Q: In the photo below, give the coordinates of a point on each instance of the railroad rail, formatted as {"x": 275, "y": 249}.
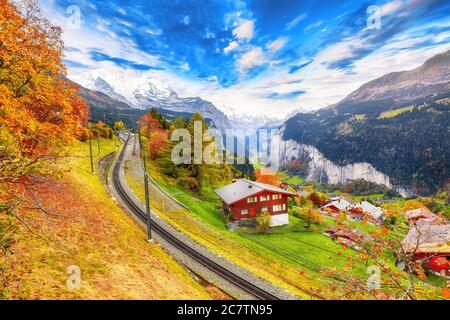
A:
{"x": 219, "y": 270}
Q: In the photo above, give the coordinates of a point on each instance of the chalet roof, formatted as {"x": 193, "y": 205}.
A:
{"x": 244, "y": 188}
{"x": 421, "y": 213}
{"x": 368, "y": 208}
{"x": 342, "y": 204}
{"x": 427, "y": 237}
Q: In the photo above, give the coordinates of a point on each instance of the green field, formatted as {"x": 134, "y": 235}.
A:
{"x": 395, "y": 112}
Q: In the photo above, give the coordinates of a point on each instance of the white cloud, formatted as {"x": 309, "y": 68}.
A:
{"x": 102, "y": 39}
{"x": 233, "y": 45}
{"x": 153, "y": 31}
{"x": 340, "y": 51}
{"x": 277, "y": 45}
{"x": 296, "y": 21}
{"x": 185, "y": 66}
{"x": 251, "y": 59}
{"x": 392, "y": 7}
{"x": 213, "y": 79}
{"x": 187, "y": 20}
{"x": 122, "y": 11}
{"x": 245, "y": 30}
{"x": 314, "y": 25}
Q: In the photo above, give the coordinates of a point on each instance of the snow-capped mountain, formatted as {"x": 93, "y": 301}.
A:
{"x": 142, "y": 92}
{"x": 101, "y": 85}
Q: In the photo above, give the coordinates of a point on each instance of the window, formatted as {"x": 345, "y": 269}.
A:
{"x": 279, "y": 207}
{"x": 276, "y": 197}
{"x": 264, "y": 198}
{"x": 252, "y": 199}
{"x": 244, "y": 212}
{"x": 264, "y": 209}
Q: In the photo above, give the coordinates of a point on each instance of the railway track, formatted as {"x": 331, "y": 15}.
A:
{"x": 231, "y": 277}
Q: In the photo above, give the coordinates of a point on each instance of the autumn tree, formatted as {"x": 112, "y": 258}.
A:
{"x": 267, "y": 176}
{"x": 157, "y": 137}
{"x": 119, "y": 126}
{"x": 395, "y": 258}
{"x": 311, "y": 216}
{"x": 316, "y": 199}
{"x": 41, "y": 114}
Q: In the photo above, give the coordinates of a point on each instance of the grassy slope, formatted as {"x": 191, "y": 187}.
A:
{"x": 94, "y": 234}
{"x": 290, "y": 259}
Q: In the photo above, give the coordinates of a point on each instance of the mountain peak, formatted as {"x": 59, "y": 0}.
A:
{"x": 430, "y": 78}
{"x": 440, "y": 61}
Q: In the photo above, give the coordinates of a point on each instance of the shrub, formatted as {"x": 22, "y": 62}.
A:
{"x": 95, "y": 132}
{"x": 264, "y": 219}
{"x": 189, "y": 184}
{"x": 85, "y": 134}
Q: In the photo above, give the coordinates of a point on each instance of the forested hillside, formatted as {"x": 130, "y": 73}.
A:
{"x": 399, "y": 128}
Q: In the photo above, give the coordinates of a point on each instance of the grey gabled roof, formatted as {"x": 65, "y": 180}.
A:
{"x": 428, "y": 237}
{"x": 375, "y": 212}
{"x": 244, "y": 188}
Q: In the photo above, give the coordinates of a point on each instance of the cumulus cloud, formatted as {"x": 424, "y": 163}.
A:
{"x": 233, "y": 45}
{"x": 251, "y": 59}
{"x": 245, "y": 30}
{"x": 277, "y": 45}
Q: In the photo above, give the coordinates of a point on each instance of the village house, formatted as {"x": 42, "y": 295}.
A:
{"x": 354, "y": 211}
{"x": 245, "y": 199}
{"x": 337, "y": 205}
{"x": 367, "y": 210}
{"x": 430, "y": 244}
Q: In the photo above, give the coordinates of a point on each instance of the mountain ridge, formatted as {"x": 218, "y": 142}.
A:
{"x": 398, "y": 127}
{"x": 145, "y": 93}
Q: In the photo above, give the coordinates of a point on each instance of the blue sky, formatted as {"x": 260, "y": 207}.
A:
{"x": 256, "y": 56}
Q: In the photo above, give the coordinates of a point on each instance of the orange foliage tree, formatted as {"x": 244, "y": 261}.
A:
{"x": 377, "y": 248}
{"x": 267, "y": 176}
{"x": 40, "y": 113}
{"x": 156, "y": 136}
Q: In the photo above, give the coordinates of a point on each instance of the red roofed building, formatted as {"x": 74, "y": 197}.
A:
{"x": 246, "y": 199}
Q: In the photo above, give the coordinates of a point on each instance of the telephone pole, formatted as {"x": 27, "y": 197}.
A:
{"x": 92, "y": 158}
{"x": 147, "y": 193}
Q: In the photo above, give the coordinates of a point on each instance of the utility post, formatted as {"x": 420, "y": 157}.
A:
{"x": 147, "y": 193}
{"x": 92, "y": 157}
{"x": 98, "y": 144}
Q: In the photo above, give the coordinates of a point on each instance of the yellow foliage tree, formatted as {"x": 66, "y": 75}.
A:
{"x": 40, "y": 113}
